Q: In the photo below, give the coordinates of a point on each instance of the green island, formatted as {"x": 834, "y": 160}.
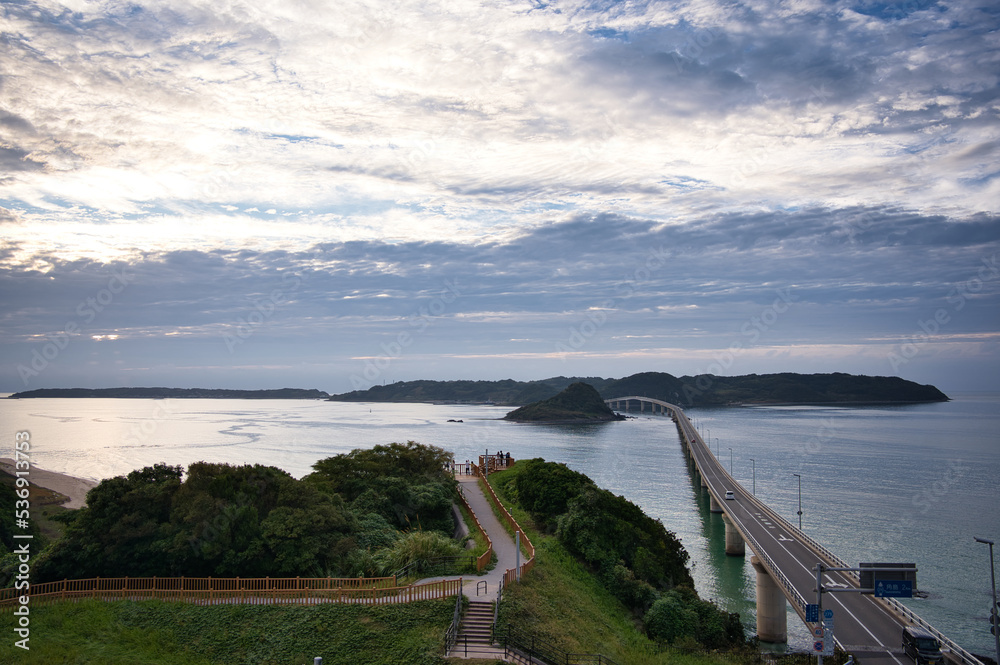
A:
{"x": 685, "y": 391}
{"x": 578, "y": 403}
{"x": 173, "y": 393}
{"x": 608, "y": 579}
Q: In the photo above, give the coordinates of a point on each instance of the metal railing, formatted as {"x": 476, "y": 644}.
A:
{"x": 535, "y": 650}
{"x": 438, "y": 565}
{"x": 967, "y": 658}
{"x": 451, "y": 636}
{"x": 830, "y": 558}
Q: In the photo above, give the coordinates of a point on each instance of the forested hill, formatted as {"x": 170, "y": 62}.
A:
{"x": 178, "y": 393}
{"x": 701, "y": 390}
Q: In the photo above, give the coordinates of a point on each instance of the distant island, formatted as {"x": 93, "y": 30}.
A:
{"x": 174, "y": 393}
{"x": 578, "y": 403}
{"x": 685, "y": 391}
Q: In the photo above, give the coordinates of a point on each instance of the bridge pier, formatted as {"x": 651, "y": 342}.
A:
{"x": 713, "y": 505}
{"x": 772, "y": 622}
{"x": 734, "y": 541}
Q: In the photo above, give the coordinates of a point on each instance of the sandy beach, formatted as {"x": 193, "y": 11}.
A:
{"x": 75, "y": 488}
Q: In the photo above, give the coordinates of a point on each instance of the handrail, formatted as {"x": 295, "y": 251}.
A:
{"x": 535, "y": 650}
{"x": 439, "y": 564}
{"x": 451, "y": 635}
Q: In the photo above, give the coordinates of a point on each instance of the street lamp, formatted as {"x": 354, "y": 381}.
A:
{"x": 994, "y": 610}
{"x": 800, "y": 499}
{"x": 716, "y": 447}
{"x": 754, "y": 475}
{"x": 730, "y": 461}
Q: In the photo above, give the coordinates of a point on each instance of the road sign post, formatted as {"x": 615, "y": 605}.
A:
{"x": 828, "y": 633}
{"x": 884, "y": 589}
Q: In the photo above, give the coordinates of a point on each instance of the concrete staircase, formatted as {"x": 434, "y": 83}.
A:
{"x": 475, "y": 633}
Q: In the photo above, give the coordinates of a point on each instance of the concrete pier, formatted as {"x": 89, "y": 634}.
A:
{"x": 734, "y": 541}
{"x": 772, "y": 622}
{"x": 714, "y": 505}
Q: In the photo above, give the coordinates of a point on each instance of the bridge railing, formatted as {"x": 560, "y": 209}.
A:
{"x": 967, "y": 658}
{"x": 829, "y": 557}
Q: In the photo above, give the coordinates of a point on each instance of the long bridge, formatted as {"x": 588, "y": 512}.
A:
{"x": 785, "y": 559}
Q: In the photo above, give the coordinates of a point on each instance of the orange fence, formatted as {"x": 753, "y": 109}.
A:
{"x": 512, "y": 574}
{"x": 232, "y": 590}
{"x": 484, "y": 559}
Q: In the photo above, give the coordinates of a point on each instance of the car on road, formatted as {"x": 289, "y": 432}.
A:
{"x": 921, "y": 646}
{"x": 729, "y": 495}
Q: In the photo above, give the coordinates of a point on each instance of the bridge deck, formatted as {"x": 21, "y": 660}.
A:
{"x": 865, "y": 626}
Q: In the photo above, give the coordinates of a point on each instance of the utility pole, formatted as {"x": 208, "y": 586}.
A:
{"x": 800, "y": 502}
{"x": 994, "y": 610}
{"x": 754, "y": 476}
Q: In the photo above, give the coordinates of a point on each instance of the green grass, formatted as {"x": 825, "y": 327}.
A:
{"x": 162, "y": 633}
{"x": 561, "y": 602}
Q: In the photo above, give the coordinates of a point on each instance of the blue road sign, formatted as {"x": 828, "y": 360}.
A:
{"x": 893, "y": 589}
{"x": 828, "y": 614}
{"x": 812, "y": 613}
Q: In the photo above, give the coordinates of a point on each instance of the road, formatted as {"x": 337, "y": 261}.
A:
{"x": 862, "y": 625}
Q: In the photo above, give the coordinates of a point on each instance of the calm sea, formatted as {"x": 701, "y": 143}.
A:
{"x": 901, "y": 484}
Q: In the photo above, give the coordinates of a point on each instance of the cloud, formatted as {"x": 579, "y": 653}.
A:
{"x": 539, "y": 154}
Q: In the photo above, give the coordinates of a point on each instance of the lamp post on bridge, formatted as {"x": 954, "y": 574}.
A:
{"x": 754, "y": 476}
{"x": 730, "y": 461}
{"x": 800, "y": 499}
{"x": 994, "y": 610}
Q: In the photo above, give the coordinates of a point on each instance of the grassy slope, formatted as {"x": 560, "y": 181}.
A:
{"x": 160, "y": 633}
{"x": 560, "y": 601}
{"x": 45, "y": 504}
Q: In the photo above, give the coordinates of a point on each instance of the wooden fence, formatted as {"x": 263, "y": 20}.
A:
{"x": 484, "y": 559}
{"x": 232, "y": 590}
{"x": 511, "y": 574}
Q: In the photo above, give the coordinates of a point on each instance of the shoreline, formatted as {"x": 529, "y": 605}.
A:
{"x": 75, "y": 489}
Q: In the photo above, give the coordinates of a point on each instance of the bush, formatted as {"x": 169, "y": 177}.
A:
{"x": 605, "y": 529}
{"x": 670, "y": 619}
{"x": 222, "y": 521}
{"x": 680, "y": 616}
{"x": 545, "y": 488}
{"x": 416, "y": 546}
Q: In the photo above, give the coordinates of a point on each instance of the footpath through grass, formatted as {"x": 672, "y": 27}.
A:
{"x": 170, "y": 633}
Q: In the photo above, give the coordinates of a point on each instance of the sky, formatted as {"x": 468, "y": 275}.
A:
{"x": 334, "y": 195}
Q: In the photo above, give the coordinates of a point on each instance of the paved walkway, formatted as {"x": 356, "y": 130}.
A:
{"x": 503, "y": 543}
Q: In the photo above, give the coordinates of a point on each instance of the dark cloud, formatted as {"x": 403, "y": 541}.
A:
{"x": 16, "y": 159}
{"x": 15, "y": 122}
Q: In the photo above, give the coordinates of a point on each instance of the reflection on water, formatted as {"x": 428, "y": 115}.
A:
{"x": 908, "y": 483}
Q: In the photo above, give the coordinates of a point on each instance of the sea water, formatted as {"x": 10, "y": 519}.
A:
{"x": 908, "y": 483}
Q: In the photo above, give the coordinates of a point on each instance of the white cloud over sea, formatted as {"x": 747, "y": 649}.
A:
{"x": 536, "y": 155}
